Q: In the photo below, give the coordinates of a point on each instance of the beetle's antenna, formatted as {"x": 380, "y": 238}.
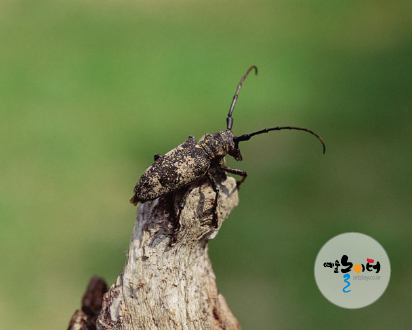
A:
{"x": 246, "y": 137}
{"x": 229, "y": 119}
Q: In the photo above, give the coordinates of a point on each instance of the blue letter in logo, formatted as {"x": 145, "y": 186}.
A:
{"x": 346, "y": 277}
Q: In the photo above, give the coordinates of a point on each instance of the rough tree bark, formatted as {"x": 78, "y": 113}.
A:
{"x": 168, "y": 281}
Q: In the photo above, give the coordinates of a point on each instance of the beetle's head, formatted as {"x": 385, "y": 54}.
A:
{"x": 230, "y": 146}
{"x": 235, "y": 152}
{"x": 233, "y": 147}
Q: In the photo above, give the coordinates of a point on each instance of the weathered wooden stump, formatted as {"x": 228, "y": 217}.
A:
{"x": 168, "y": 281}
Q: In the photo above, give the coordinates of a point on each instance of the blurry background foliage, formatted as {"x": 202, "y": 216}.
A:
{"x": 91, "y": 90}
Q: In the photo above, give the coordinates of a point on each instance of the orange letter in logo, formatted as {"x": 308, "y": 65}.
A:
{"x": 357, "y": 268}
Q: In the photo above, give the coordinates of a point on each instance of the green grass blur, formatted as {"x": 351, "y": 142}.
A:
{"x": 90, "y": 91}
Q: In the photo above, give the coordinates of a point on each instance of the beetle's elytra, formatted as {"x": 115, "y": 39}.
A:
{"x": 191, "y": 160}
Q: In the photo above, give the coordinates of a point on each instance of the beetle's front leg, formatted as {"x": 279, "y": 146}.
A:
{"x": 243, "y": 174}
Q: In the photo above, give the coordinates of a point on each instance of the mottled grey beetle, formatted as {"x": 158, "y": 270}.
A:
{"x": 191, "y": 161}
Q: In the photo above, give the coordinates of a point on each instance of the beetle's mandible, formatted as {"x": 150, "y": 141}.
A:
{"x": 191, "y": 161}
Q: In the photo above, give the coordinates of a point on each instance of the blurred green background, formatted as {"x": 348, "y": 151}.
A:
{"x": 91, "y": 90}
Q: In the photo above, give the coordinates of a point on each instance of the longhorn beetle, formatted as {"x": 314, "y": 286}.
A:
{"x": 191, "y": 161}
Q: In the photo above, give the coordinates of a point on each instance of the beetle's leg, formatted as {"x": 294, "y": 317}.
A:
{"x": 181, "y": 207}
{"x": 243, "y": 174}
{"x": 176, "y": 216}
{"x": 223, "y": 164}
{"x": 216, "y": 190}
{"x": 157, "y": 156}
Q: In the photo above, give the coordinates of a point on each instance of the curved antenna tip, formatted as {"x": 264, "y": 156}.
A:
{"x": 324, "y": 147}
{"x": 254, "y": 67}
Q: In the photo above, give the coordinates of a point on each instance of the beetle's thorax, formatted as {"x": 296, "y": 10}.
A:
{"x": 219, "y": 144}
